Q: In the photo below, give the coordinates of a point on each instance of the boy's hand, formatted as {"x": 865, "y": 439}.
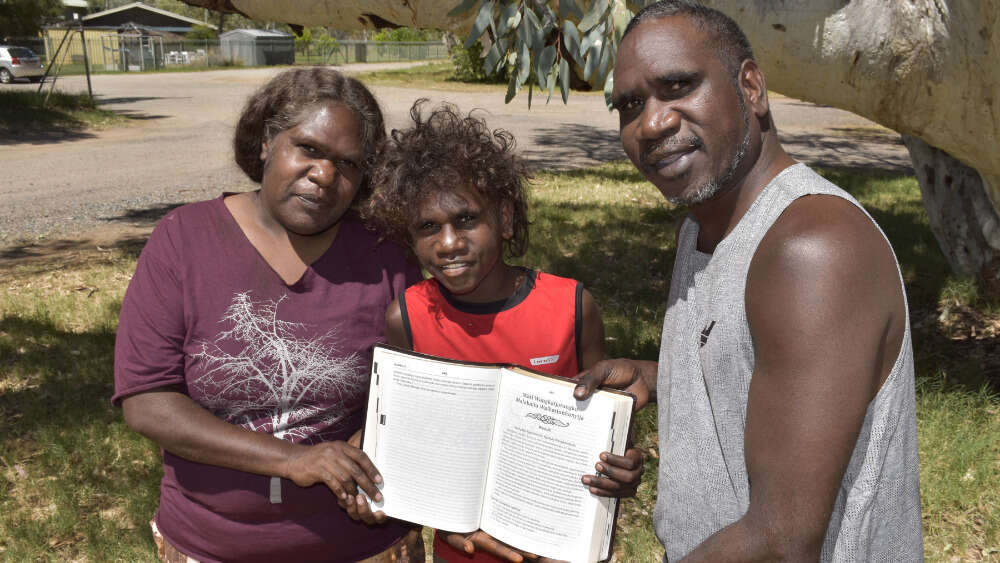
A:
{"x": 481, "y": 541}
{"x": 635, "y": 376}
{"x": 620, "y": 474}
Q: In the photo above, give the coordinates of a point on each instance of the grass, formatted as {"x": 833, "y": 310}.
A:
{"x": 431, "y": 76}
{"x": 77, "y": 484}
{"x": 24, "y": 112}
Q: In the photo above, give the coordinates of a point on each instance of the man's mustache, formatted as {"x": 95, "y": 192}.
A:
{"x": 665, "y": 146}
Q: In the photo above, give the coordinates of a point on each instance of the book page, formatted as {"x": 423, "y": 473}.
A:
{"x": 544, "y": 441}
{"x": 431, "y": 438}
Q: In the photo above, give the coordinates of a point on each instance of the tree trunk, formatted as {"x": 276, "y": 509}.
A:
{"x": 959, "y": 209}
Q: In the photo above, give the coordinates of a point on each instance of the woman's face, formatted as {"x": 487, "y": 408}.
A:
{"x": 312, "y": 171}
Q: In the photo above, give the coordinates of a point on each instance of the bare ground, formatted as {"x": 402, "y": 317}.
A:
{"x": 68, "y": 190}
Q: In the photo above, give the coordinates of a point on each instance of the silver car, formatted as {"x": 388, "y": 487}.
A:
{"x": 19, "y": 62}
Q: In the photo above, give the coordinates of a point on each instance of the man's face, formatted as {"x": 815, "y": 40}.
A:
{"x": 683, "y": 120}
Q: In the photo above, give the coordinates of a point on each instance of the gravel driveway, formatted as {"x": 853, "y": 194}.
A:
{"x": 97, "y": 185}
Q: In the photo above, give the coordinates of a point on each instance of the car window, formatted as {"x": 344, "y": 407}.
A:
{"x": 22, "y": 52}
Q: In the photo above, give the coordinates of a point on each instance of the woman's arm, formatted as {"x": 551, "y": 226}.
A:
{"x": 184, "y": 428}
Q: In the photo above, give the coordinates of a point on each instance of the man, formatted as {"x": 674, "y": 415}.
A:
{"x": 785, "y": 380}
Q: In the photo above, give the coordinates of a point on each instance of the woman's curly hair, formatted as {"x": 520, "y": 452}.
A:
{"x": 279, "y": 105}
{"x": 444, "y": 151}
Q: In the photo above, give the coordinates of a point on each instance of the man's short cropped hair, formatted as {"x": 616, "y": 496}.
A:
{"x": 731, "y": 45}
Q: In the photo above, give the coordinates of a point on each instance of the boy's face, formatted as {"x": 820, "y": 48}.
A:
{"x": 459, "y": 240}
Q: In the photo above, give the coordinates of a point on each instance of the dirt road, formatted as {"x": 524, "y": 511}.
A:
{"x": 94, "y": 185}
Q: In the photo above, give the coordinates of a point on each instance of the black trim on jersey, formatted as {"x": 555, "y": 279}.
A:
{"x": 406, "y": 319}
{"x": 578, "y": 325}
{"x": 494, "y": 307}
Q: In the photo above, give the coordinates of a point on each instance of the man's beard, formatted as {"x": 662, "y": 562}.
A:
{"x": 722, "y": 182}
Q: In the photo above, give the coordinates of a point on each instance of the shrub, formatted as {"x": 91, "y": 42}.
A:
{"x": 469, "y": 65}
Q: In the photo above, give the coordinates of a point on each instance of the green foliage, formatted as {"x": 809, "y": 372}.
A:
{"x": 25, "y": 112}
{"x": 469, "y": 65}
{"x": 406, "y": 34}
{"x": 201, "y": 32}
{"x": 539, "y": 45}
{"x": 26, "y": 17}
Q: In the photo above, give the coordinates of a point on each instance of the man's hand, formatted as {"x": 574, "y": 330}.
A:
{"x": 620, "y": 475}
{"x": 635, "y": 376}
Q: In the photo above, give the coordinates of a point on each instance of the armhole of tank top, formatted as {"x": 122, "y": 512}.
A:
{"x": 406, "y": 319}
{"x": 578, "y": 323}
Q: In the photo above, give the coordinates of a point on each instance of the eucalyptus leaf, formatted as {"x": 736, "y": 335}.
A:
{"x": 483, "y": 20}
{"x": 550, "y": 82}
{"x": 465, "y": 6}
{"x": 609, "y": 85}
{"x": 567, "y": 9}
{"x": 507, "y": 15}
{"x": 605, "y": 60}
{"x": 571, "y": 40}
{"x": 594, "y": 15}
{"x": 530, "y": 88}
{"x": 531, "y": 16}
{"x": 544, "y": 64}
{"x": 590, "y": 62}
{"x": 492, "y": 60}
{"x": 511, "y": 88}
{"x": 564, "y": 79}
{"x": 523, "y": 64}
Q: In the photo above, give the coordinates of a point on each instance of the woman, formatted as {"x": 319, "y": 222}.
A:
{"x": 244, "y": 340}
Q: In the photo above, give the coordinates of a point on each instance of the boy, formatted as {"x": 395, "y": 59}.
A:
{"x": 454, "y": 192}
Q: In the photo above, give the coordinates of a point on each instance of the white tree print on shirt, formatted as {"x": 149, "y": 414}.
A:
{"x": 274, "y": 382}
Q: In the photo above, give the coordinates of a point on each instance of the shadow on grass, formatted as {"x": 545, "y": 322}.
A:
{"x": 63, "y": 443}
{"x": 42, "y": 257}
{"x": 622, "y": 254}
{"x": 854, "y": 149}
{"x": 561, "y": 148}
{"x": 147, "y": 216}
{"x": 25, "y": 117}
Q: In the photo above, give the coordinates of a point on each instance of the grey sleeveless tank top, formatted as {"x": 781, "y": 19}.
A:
{"x": 706, "y": 363}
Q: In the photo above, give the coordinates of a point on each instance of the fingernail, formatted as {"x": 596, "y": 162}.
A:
{"x": 378, "y": 479}
{"x": 378, "y": 497}
{"x": 604, "y": 456}
{"x": 600, "y": 467}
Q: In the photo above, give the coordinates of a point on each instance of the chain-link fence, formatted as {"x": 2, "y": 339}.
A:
{"x": 113, "y": 52}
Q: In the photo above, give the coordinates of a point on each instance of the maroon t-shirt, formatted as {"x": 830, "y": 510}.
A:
{"x": 205, "y": 311}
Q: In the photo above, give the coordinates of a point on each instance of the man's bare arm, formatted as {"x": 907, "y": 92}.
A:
{"x": 826, "y": 312}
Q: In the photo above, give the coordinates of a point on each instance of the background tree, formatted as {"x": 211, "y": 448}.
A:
{"x": 25, "y": 18}
{"x": 926, "y": 68}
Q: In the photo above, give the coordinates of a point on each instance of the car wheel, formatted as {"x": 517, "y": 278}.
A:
{"x": 5, "y": 76}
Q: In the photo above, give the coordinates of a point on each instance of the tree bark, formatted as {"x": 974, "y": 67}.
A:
{"x": 959, "y": 210}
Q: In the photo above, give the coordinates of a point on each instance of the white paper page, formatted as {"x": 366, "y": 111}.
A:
{"x": 544, "y": 442}
{"x": 433, "y": 443}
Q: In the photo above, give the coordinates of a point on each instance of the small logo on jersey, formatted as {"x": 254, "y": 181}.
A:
{"x": 705, "y": 332}
{"x": 544, "y": 360}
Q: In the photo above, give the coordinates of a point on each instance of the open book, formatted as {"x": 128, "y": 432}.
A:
{"x": 466, "y": 446}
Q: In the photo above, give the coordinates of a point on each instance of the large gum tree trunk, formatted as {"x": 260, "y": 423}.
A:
{"x": 959, "y": 210}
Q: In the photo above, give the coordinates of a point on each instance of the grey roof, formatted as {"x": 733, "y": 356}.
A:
{"x": 257, "y": 33}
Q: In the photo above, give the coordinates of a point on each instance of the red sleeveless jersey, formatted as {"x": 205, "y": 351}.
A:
{"x": 537, "y": 327}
